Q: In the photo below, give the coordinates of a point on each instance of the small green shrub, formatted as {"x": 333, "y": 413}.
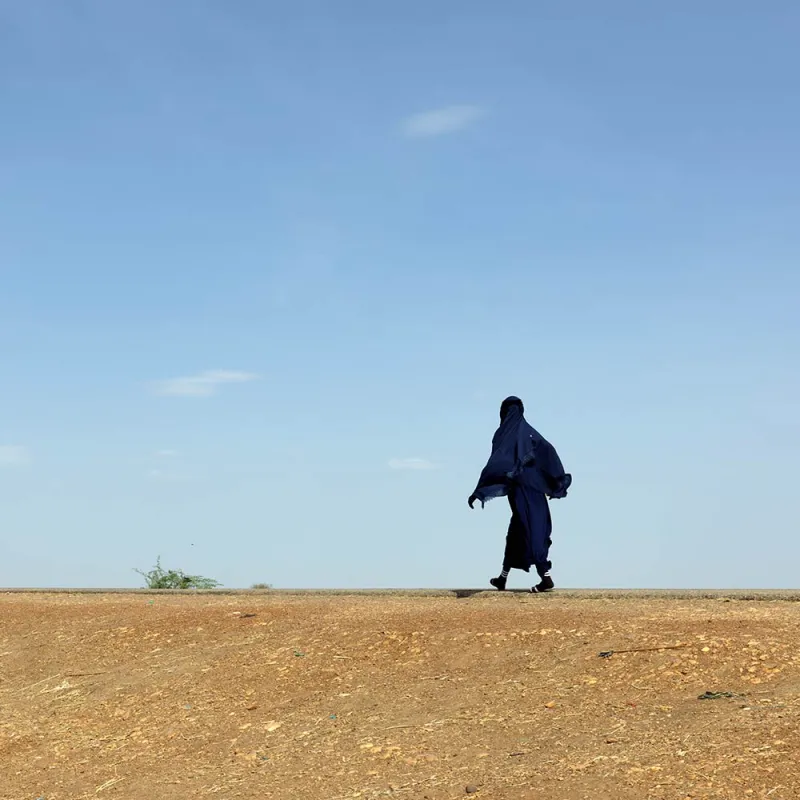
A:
{"x": 160, "y": 578}
{"x": 261, "y": 586}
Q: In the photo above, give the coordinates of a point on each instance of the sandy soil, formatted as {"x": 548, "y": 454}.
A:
{"x": 306, "y": 697}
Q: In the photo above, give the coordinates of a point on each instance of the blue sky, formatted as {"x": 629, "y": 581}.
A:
{"x": 267, "y": 270}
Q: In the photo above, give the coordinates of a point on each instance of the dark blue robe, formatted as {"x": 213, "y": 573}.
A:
{"x": 526, "y": 468}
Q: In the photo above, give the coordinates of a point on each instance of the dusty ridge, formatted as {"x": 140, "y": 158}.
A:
{"x": 331, "y": 696}
{"x": 788, "y": 595}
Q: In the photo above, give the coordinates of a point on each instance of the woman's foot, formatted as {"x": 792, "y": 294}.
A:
{"x": 545, "y": 585}
{"x": 499, "y": 583}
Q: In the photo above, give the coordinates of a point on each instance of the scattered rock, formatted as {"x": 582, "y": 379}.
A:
{"x": 718, "y": 695}
{"x": 471, "y": 789}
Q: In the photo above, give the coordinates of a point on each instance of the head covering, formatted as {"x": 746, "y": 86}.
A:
{"x": 520, "y": 453}
{"x": 509, "y": 403}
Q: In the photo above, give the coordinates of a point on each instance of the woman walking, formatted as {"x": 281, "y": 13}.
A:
{"x": 525, "y": 467}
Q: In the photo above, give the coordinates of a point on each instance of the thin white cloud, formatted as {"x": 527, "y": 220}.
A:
{"x": 167, "y": 476}
{"x": 203, "y": 385}
{"x": 14, "y": 455}
{"x": 411, "y": 463}
{"x": 441, "y": 121}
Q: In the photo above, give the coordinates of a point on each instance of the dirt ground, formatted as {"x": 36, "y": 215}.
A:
{"x": 492, "y": 696}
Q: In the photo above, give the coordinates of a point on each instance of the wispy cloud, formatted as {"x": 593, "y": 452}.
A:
{"x": 167, "y": 466}
{"x": 14, "y": 455}
{"x": 170, "y": 476}
{"x": 441, "y": 121}
{"x": 203, "y": 385}
{"x": 411, "y": 463}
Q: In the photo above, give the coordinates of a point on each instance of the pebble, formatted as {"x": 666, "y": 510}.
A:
{"x": 471, "y": 789}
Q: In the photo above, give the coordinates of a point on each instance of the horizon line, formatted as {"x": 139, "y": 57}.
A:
{"x": 791, "y": 595}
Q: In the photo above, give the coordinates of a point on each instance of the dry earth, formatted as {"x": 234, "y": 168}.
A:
{"x": 149, "y": 697}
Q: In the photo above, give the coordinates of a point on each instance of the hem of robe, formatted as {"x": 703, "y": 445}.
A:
{"x": 517, "y": 566}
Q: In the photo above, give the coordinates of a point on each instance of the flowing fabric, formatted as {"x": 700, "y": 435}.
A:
{"x": 521, "y": 456}
{"x": 529, "y": 532}
{"x": 526, "y": 468}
